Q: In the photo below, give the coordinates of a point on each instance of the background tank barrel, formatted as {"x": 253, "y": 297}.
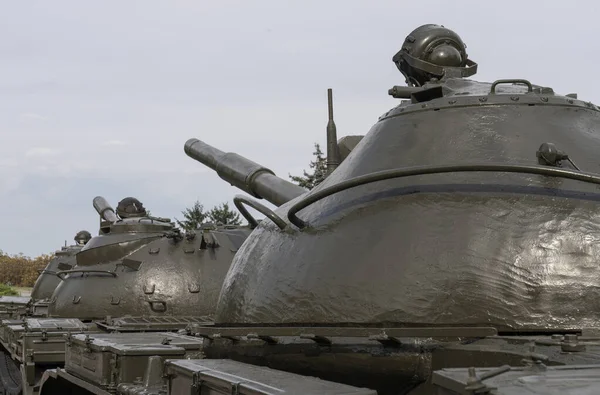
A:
{"x": 104, "y": 209}
{"x": 243, "y": 173}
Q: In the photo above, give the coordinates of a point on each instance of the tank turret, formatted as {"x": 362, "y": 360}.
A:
{"x": 141, "y": 265}
{"x": 443, "y": 215}
{"x": 64, "y": 259}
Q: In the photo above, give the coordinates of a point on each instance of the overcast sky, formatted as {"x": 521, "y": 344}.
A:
{"x": 98, "y": 98}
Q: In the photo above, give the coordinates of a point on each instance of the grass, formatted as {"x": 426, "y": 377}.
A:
{"x": 7, "y": 290}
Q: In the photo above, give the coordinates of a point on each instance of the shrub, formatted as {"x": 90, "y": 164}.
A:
{"x": 20, "y": 270}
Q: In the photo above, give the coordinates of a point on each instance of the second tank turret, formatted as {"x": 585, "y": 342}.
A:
{"x": 141, "y": 265}
{"x": 46, "y": 283}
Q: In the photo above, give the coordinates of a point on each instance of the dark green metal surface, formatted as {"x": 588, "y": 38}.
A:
{"x": 459, "y": 232}
{"x": 143, "y": 266}
{"x": 422, "y": 248}
{"x": 461, "y": 207}
{"x": 63, "y": 259}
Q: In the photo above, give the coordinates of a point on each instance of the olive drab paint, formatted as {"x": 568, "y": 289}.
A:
{"x": 450, "y": 250}
{"x": 144, "y": 266}
{"x": 445, "y": 214}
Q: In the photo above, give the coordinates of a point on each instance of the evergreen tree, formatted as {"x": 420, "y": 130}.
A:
{"x": 194, "y": 217}
{"x": 319, "y": 171}
{"x": 223, "y": 214}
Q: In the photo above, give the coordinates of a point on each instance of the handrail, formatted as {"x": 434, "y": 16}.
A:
{"x": 44, "y": 271}
{"x": 240, "y": 200}
{"x": 424, "y": 170}
{"x": 61, "y": 274}
{"x": 511, "y": 81}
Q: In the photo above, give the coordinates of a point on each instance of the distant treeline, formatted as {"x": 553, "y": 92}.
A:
{"x": 20, "y": 270}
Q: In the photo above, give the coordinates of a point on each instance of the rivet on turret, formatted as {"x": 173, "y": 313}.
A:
{"x": 76, "y": 299}
{"x": 544, "y": 99}
{"x": 514, "y": 98}
{"x": 483, "y": 99}
{"x": 451, "y": 101}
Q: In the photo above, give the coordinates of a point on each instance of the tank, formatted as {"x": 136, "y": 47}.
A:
{"x": 450, "y": 250}
{"x": 144, "y": 266}
{"x": 461, "y": 207}
{"x": 139, "y": 274}
{"x": 46, "y": 283}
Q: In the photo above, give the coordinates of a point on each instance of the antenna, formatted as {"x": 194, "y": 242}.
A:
{"x": 333, "y": 152}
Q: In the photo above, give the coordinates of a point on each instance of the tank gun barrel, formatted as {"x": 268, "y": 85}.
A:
{"x": 104, "y": 209}
{"x": 243, "y": 173}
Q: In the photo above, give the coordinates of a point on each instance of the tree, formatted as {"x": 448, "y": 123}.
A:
{"x": 194, "y": 217}
{"x": 319, "y": 167}
{"x": 223, "y": 214}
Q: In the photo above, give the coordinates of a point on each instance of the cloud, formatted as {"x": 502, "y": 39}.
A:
{"x": 8, "y": 162}
{"x": 41, "y": 152}
{"x": 108, "y": 112}
{"x": 31, "y": 115}
{"x": 115, "y": 142}
{"x": 9, "y": 183}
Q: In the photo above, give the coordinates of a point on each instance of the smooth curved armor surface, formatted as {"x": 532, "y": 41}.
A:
{"x": 516, "y": 251}
{"x": 139, "y": 268}
{"x": 47, "y": 281}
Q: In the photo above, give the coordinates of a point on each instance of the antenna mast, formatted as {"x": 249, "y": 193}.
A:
{"x": 333, "y": 153}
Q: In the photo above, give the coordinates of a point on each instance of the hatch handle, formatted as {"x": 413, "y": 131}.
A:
{"x": 63, "y": 273}
{"x": 423, "y": 170}
{"x": 511, "y": 81}
{"x": 240, "y": 201}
